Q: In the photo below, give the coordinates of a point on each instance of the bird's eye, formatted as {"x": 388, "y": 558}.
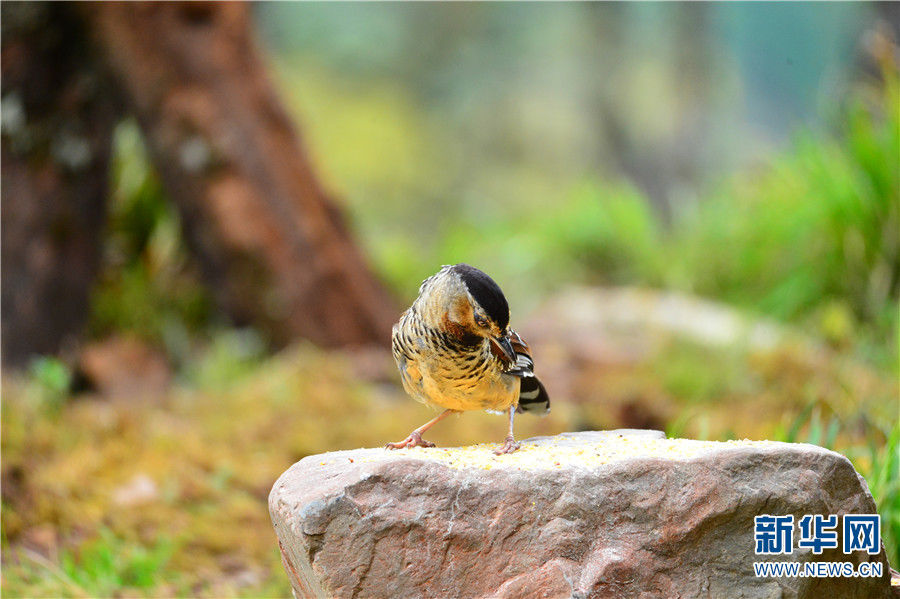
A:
{"x": 480, "y": 320}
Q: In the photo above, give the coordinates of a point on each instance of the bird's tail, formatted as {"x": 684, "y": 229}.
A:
{"x": 533, "y": 397}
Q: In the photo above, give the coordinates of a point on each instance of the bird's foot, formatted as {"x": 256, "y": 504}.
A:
{"x": 413, "y": 440}
{"x": 509, "y": 446}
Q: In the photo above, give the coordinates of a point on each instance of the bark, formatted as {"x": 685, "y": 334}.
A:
{"x": 271, "y": 242}
{"x": 58, "y": 116}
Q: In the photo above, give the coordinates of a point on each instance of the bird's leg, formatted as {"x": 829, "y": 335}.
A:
{"x": 510, "y": 444}
{"x": 415, "y": 438}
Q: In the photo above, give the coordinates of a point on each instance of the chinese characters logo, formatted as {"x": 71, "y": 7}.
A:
{"x": 774, "y": 535}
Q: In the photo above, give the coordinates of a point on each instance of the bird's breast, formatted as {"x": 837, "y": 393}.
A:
{"x": 438, "y": 372}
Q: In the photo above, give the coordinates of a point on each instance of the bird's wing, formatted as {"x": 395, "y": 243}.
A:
{"x": 524, "y": 365}
{"x": 533, "y": 396}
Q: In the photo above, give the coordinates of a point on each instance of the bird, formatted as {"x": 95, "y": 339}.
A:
{"x": 455, "y": 350}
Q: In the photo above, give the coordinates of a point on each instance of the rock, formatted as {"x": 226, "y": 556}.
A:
{"x": 594, "y": 514}
{"x": 139, "y": 490}
{"x": 639, "y": 318}
{"x": 125, "y": 367}
{"x": 582, "y": 331}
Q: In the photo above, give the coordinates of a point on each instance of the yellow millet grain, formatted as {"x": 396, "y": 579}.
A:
{"x": 555, "y": 453}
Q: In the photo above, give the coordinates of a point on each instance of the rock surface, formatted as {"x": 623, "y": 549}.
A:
{"x": 594, "y": 514}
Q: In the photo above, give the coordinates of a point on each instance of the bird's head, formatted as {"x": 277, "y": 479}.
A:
{"x": 467, "y": 304}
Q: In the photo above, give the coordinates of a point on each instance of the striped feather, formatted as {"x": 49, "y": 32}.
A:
{"x": 533, "y": 396}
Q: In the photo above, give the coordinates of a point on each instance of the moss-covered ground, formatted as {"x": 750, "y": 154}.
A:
{"x": 166, "y": 495}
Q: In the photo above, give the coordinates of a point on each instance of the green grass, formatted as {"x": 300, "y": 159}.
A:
{"x": 50, "y": 380}
{"x": 878, "y": 461}
{"x": 880, "y": 466}
{"x": 105, "y": 566}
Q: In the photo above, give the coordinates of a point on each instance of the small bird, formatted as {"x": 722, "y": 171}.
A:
{"x": 455, "y": 350}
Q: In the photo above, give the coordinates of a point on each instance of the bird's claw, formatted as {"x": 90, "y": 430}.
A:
{"x": 413, "y": 440}
{"x": 509, "y": 446}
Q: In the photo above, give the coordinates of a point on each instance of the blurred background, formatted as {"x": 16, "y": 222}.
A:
{"x": 213, "y": 214}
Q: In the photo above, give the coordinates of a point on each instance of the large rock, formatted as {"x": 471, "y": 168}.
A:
{"x": 612, "y": 514}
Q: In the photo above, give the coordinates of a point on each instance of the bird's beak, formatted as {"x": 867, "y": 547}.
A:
{"x": 506, "y": 347}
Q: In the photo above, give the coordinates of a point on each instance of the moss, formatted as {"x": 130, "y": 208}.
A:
{"x": 216, "y": 444}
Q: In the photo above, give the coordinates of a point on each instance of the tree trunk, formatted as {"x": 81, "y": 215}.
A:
{"x": 271, "y": 242}
{"x": 58, "y": 116}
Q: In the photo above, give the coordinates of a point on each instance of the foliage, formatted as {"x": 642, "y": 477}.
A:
{"x": 810, "y": 237}
{"x": 230, "y": 356}
{"x": 596, "y": 235}
{"x": 50, "y": 380}
{"x": 148, "y": 285}
{"x": 816, "y": 236}
{"x": 880, "y": 466}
